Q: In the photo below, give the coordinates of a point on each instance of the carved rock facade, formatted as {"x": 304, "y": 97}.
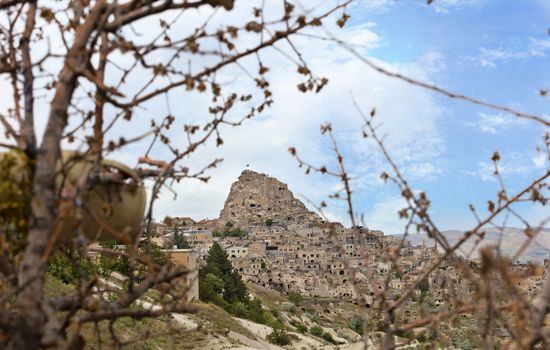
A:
{"x": 257, "y": 197}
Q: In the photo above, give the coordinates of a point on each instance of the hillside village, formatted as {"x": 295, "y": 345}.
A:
{"x": 276, "y": 243}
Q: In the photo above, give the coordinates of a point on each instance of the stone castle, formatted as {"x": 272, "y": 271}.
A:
{"x": 256, "y": 197}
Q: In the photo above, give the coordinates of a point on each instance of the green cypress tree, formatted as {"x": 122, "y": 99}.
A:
{"x": 235, "y": 289}
{"x": 218, "y": 264}
{"x": 210, "y": 288}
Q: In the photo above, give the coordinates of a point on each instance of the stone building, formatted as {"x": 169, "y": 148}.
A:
{"x": 188, "y": 284}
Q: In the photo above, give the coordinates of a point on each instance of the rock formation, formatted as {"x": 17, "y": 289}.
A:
{"x": 257, "y": 197}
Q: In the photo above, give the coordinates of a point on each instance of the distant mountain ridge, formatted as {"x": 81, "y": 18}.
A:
{"x": 512, "y": 239}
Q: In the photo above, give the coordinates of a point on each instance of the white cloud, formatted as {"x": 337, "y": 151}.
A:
{"x": 446, "y": 6}
{"x": 424, "y": 171}
{"x": 540, "y": 160}
{"x": 485, "y": 171}
{"x": 440, "y": 6}
{"x": 362, "y": 36}
{"x": 490, "y": 57}
{"x": 377, "y": 5}
{"x": 494, "y": 123}
{"x": 507, "y": 166}
{"x": 538, "y": 47}
{"x": 294, "y": 120}
{"x": 384, "y": 216}
{"x": 433, "y": 62}
{"x": 408, "y": 116}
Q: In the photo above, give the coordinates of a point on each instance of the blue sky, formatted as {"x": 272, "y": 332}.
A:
{"x": 493, "y": 50}
{"x": 496, "y": 50}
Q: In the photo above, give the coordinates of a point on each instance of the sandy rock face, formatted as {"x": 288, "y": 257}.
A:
{"x": 257, "y": 197}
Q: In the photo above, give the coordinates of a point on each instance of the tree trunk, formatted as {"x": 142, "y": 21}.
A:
{"x": 39, "y": 328}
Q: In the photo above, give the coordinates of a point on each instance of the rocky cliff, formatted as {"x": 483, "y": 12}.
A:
{"x": 257, "y": 197}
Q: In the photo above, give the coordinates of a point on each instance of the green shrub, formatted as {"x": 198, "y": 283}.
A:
{"x": 462, "y": 343}
{"x": 404, "y": 334}
{"x": 239, "y": 309}
{"x": 315, "y": 318}
{"x": 424, "y": 287}
{"x": 356, "y": 324}
{"x": 70, "y": 270}
{"x": 108, "y": 244}
{"x": 61, "y": 268}
{"x": 15, "y": 194}
{"x": 180, "y": 241}
{"x": 113, "y": 262}
{"x": 316, "y": 331}
{"x": 328, "y": 337}
{"x": 295, "y": 297}
{"x": 269, "y": 320}
{"x": 228, "y": 232}
{"x": 301, "y": 328}
{"x": 109, "y": 263}
{"x": 279, "y": 337}
{"x": 422, "y": 338}
{"x": 238, "y": 232}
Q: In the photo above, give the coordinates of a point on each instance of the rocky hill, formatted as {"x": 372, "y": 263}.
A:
{"x": 256, "y": 197}
{"x": 512, "y": 238}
